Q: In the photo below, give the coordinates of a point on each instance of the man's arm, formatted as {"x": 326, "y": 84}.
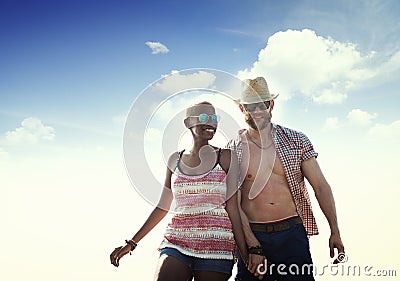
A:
{"x": 323, "y": 193}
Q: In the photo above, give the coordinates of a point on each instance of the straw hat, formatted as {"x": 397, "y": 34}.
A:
{"x": 256, "y": 90}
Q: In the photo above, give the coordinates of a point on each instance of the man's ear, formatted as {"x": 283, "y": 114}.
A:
{"x": 241, "y": 108}
{"x": 272, "y": 104}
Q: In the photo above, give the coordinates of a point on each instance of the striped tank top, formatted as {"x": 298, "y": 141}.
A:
{"x": 200, "y": 226}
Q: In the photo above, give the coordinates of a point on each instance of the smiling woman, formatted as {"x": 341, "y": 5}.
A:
{"x": 200, "y": 240}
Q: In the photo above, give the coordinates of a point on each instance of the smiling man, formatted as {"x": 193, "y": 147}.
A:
{"x": 275, "y": 205}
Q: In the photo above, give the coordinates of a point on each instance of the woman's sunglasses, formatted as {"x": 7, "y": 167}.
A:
{"x": 261, "y": 105}
{"x": 203, "y": 118}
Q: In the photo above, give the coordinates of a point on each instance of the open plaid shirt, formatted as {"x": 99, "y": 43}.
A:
{"x": 293, "y": 148}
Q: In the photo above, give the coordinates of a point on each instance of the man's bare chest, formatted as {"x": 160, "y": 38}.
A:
{"x": 258, "y": 162}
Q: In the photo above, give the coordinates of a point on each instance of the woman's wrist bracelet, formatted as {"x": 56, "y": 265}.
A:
{"x": 132, "y": 244}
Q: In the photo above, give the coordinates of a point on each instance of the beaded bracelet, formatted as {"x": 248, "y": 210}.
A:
{"x": 256, "y": 250}
{"x": 131, "y": 243}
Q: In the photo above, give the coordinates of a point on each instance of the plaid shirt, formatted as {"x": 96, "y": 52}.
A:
{"x": 293, "y": 148}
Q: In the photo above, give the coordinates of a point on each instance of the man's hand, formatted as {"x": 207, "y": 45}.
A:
{"x": 254, "y": 262}
{"x": 335, "y": 242}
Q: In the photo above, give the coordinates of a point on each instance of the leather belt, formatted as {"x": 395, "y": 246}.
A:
{"x": 275, "y": 226}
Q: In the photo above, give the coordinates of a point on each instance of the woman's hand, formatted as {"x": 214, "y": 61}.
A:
{"x": 118, "y": 253}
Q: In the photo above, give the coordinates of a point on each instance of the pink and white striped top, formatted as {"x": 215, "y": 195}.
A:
{"x": 200, "y": 226}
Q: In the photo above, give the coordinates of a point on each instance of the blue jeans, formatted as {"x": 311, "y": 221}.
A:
{"x": 218, "y": 265}
{"x": 287, "y": 252}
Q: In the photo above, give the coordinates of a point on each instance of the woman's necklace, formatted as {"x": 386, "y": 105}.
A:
{"x": 259, "y": 146}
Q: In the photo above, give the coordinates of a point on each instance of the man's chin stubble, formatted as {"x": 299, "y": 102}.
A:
{"x": 250, "y": 121}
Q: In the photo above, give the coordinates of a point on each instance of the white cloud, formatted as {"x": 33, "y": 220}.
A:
{"x": 177, "y": 82}
{"x": 301, "y": 62}
{"x": 157, "y": 47}
{"x": 356, "y": 117}
{"x": 31, "y": 131}
{"x": 330, "y": 96}
{"x": 389, "y": 69}
{"x": 389, "y": 133}
{"x": 360, "y": 118}
{"x": 176, "y": 105}
{"x": 332, "y": 123}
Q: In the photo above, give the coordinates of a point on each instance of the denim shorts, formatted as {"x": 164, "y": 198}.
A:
{"x": 194, "y": 263}
{"x": 287, "y": 248}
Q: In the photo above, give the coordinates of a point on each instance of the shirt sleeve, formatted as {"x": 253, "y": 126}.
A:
{"x": 308, "y": 149}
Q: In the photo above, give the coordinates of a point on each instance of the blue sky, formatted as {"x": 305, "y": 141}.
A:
{"x": 70, "y": 72}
